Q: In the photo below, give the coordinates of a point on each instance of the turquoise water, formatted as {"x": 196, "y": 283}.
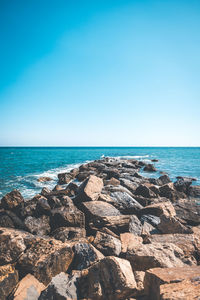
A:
{"x": 21, "y": 166}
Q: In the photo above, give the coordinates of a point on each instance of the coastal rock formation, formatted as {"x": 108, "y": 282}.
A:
{"x": 104, "y": 232}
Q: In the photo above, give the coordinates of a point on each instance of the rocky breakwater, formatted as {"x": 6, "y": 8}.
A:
{"x": 104, "y": 232}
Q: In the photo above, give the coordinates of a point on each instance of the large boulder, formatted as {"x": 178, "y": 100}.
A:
{"x": 12, "y": 200}
{"x": 64, "y": 178}
{"x": 67, "y": 217}
{"x": 168, "y": 191}
{"x": 85, "y": 255}
{"x": 144, "y": 191}
{"x": 29, "y": 288}
{"x": 111, "y": 278}
{"x": 161, "y": 208}
{"x": 182, "y": 184}
{"x": 129, "y": 241}
{"x": 125, "y": 203}
{"x": 8, "y": 280}
{"x": 99, "y": 209}
{"x": 149, "y": 168}
{"x": 164, "y": 255}
{"x": 163, "y": 179}
{"x": 194, "y": 191}
{"x": 135, "y": 226}
{"x": 107, "y": 244}
{"x": 155, "y": 278}
{"x": 189, "y": 211}
{"x": 90, "y": 189}
{"x": 45, "y": 258}
{"x": 38, "y": 226}
{"x": 172, "y": 225}
{"x": 62, "y": 286}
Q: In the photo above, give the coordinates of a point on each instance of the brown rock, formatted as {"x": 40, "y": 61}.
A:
{"x": 45, "y": 258}
{"x": 100, "y": 209}
{"x": 169, "y": 192}
{"x": 154, "y": 278}
{"x": 29, "y": 288}
{"x": 112, "y": 181}
{"x": 172, "y": 225}
{"x": 8, "y": 280}
{"x": 12, "y": 200}
{"x": 194, "y": 191}
{"x": 186, "y": 289}
{"x": 90, "y": 189}
{"x": 149, "y": 168}
{"x": 64, "y": 178}
{"x": 155, "y": 255}
{"x": 38, "y": 226}
{"x": 44, "y": 179}
{"x": 65, "y": 234}
{"x": 162, "y": 208}
{"x": 111, "y": 279}
{"x": 129, "y": 241}
{"x": 107, "y": 244}
{"x": 189, "y": 211}
{"x": 144, "y": 191}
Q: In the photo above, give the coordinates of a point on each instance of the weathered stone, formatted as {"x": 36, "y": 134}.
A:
{"x": 144, "y": 191}
{"x": 162, "y": 208}
{"x": 172, "y": 225}
{"x": 186, "y": 289}
{"x": 155, "y": 255}
{"x": 45, "y": 258}
{"x": 29, "y": 288}
{"x": 38, "y": 226}
{"x": 194, "y": 191}
{"x": 85, "y": 255}
{"x": 188, "y": 210}
{"x": 99, "y": 209}
{"x": 111, "y": 279}
{"x": 129, "y": 241}
{"x": 112, "y": 181}
{"x": 5, "y": 220}
{"x": 151, "y": 219}
{"x": 162, "y": 180}
{"x": 125, "y": 203}
{"x": 107, "y": 244}
{"x": 42, "y": 206}
{"x": 111, "y": 172}
{"x": 135, "y": 226}
{"x": 11, "y": 244}
{"x": 90, "y": 189}
{"x": 182, "y": 184}
{"x": 64, "y": 178}
{"x": 65, "y": 234}
{"x": 62, "y": 286}
{"x": 8, "y": 280}
{"x": 154, "y": 278}
{"x": 169, "y": 192}
{"x": 149, "y": 168}
{"x": 44, "y": 179}
{"x": 130, "y": 185}
{"x": 12, "y": 200}
{"x": 67, "y": 217}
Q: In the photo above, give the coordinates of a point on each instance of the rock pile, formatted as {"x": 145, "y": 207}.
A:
{"x": 104, "y": 232}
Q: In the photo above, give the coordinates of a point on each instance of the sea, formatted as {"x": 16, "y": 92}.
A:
{"x": 20, "y": 167}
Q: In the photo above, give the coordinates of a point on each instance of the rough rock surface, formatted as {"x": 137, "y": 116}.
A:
{"x": 107, "y": 244}
{"x": 90, "y": 189}
{"x": 12, "y": 200}
{"x": 8, "y": 280}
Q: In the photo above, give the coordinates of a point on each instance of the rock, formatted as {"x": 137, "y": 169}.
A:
{"x": 182, "y": 185}
{"x": 129, "y": 241}
{"x": 45, "y": 258}
{"x": 135, "y": 226}
{"x": 65, "y": 234}
{"x": 111, "y": 172}
{"x": 90, "y": 189}
{"x": 85, "y": 255}
{"x": 8, "y": 280}
{"x": 155, "y": 255}
{"x": 189, "y": 211}
{"x": 151, "y": 219}
{"x": 99, "y": 209}
{"x": 112, "y": 181}
{"x": 189, "y": 243}
{"x": 130, "y": 185}
{"x": 144, "y": 191}
{"x": 111, "y": 279}
{"x": 169, "y": 192}
{"x": 107, "y": 244}
{"x": 64, "y": 178}
{"x": 162, "y": 180}
{"x": 67, "y": 217}
{"x": 156, "y": 277}
{"x": 194, "y": 191}
{"x": 149, "y": 168}
{"x": 44, "y": 179}
{"x": 62, "y": 286}
{"x": 162, "y": 208}
{"x": 5, "y": 220}
{"x": 125, "y": 203}
{"x": 172, "y": 225}
{"x": 43, "y": 207}
{"x": 12, "y": 200}
{"x": 45, "y": 191}
{"x": 38, "y": 226}
{"x": 29, "y": 288}
{"x": 154, "y": 160}
{"x": 186, "y": 289}
{"x": 11, "y": 245}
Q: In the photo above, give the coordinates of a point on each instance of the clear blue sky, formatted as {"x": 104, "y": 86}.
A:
{"x": 100, "y": 72}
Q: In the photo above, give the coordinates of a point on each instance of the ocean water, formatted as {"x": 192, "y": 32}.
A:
{"x": 20, "y": 167}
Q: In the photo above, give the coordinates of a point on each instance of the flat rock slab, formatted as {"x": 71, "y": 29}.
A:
{"x": 154, "y": 278}
{"x": 8, "y": 280}
{"x": 100, "y": 209}
{"x": 125, "y": 203}
{"x": 111, "y": 278}
{"x": 29, "y": 288}
{"x": 90, "y": 189}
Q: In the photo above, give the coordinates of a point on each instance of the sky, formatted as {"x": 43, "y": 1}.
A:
{"x": 100, "y": 73}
